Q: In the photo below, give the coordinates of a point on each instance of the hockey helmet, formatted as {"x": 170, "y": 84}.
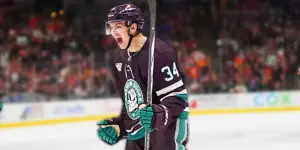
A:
{"x": 125, "y": 12}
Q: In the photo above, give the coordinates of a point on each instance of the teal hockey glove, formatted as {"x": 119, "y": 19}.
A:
{"x": 108, "y": 133}
{"x": 1, "y": 105}
{"x": 146, "y": 116}
{"x": 155, "y": 116}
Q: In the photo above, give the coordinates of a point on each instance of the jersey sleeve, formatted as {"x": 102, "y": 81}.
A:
{"x": 118, "y": 120}
{"x": 168, "y": 84}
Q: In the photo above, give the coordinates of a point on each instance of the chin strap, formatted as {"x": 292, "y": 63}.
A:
{"x": 131, "y": 37}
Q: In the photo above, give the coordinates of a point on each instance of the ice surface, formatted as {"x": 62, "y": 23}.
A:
{"x": 269, "y": 131}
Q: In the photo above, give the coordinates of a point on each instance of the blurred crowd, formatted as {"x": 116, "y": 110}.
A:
{"x": 64, "y": 53}
{"x": 258, "y": 49}
{"x": 41, "y": 53}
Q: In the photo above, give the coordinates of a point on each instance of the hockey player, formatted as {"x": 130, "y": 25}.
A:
{"x": 168, "y": 116}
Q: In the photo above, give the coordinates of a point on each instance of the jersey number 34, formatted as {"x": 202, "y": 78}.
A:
{"x": 171, "y": 72}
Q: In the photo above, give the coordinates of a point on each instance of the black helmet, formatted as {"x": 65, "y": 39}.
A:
{"x": 128, "y": 13}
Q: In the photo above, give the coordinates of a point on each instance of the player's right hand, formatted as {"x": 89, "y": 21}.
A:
{"x": 1, "y": 106}
{"x": 108, "y": 133}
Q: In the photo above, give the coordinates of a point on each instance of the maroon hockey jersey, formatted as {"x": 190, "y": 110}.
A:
{"x": 131, "y": 73}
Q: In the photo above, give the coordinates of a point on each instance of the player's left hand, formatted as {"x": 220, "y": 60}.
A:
{"x": 154, "y": 116}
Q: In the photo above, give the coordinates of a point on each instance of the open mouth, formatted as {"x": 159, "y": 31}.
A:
{"x": 119, "y": 40}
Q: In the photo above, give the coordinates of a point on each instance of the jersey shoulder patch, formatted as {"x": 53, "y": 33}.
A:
{"x": 119, "y": 66}
{"x": 118, "y": 60}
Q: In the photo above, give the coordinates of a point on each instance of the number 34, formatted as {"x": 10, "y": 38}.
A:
{"x": 170, "y": 72}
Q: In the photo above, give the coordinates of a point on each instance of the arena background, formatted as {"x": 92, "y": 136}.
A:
{"x": 238, "y": 56}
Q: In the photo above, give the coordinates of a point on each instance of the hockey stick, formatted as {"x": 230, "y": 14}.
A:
{"x": 152, "y": 5}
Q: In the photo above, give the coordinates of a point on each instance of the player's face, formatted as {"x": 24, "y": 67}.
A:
{"x": 120, "y": 32}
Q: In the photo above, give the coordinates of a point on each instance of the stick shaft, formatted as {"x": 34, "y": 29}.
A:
{"x": 152, "y": 5}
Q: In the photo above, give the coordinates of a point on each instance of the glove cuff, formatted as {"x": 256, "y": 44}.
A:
{"x": 160, "y": 120}
{"x": 102, "y": 122}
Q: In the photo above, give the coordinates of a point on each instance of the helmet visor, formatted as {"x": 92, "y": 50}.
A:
{"x": 108, "y": 29}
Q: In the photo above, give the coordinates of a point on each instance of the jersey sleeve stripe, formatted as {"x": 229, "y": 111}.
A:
{"x": 174, "y": 94}
{"x": 180, "y": 133}
{"x": 170, "y": 88}
{"x": 183, "y": 97}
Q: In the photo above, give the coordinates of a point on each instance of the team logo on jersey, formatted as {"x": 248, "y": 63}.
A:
{"x": 133, "y": 97}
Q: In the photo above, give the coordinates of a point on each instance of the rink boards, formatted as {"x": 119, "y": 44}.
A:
{"x": 45, "y": 113}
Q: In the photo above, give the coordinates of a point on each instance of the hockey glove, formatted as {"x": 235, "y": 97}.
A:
{"x": 155, "y": 116}
{"x": 108, "y": 133}
{"x": 1, "y": 106}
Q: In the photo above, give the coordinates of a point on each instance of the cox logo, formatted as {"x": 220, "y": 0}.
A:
{"x": 272, "y": 99}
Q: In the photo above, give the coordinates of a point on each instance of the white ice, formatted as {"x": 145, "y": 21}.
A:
{"x": 269, "y": 131}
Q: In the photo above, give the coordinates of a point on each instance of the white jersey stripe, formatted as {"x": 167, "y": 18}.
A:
{"x": 170, "y": 88}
